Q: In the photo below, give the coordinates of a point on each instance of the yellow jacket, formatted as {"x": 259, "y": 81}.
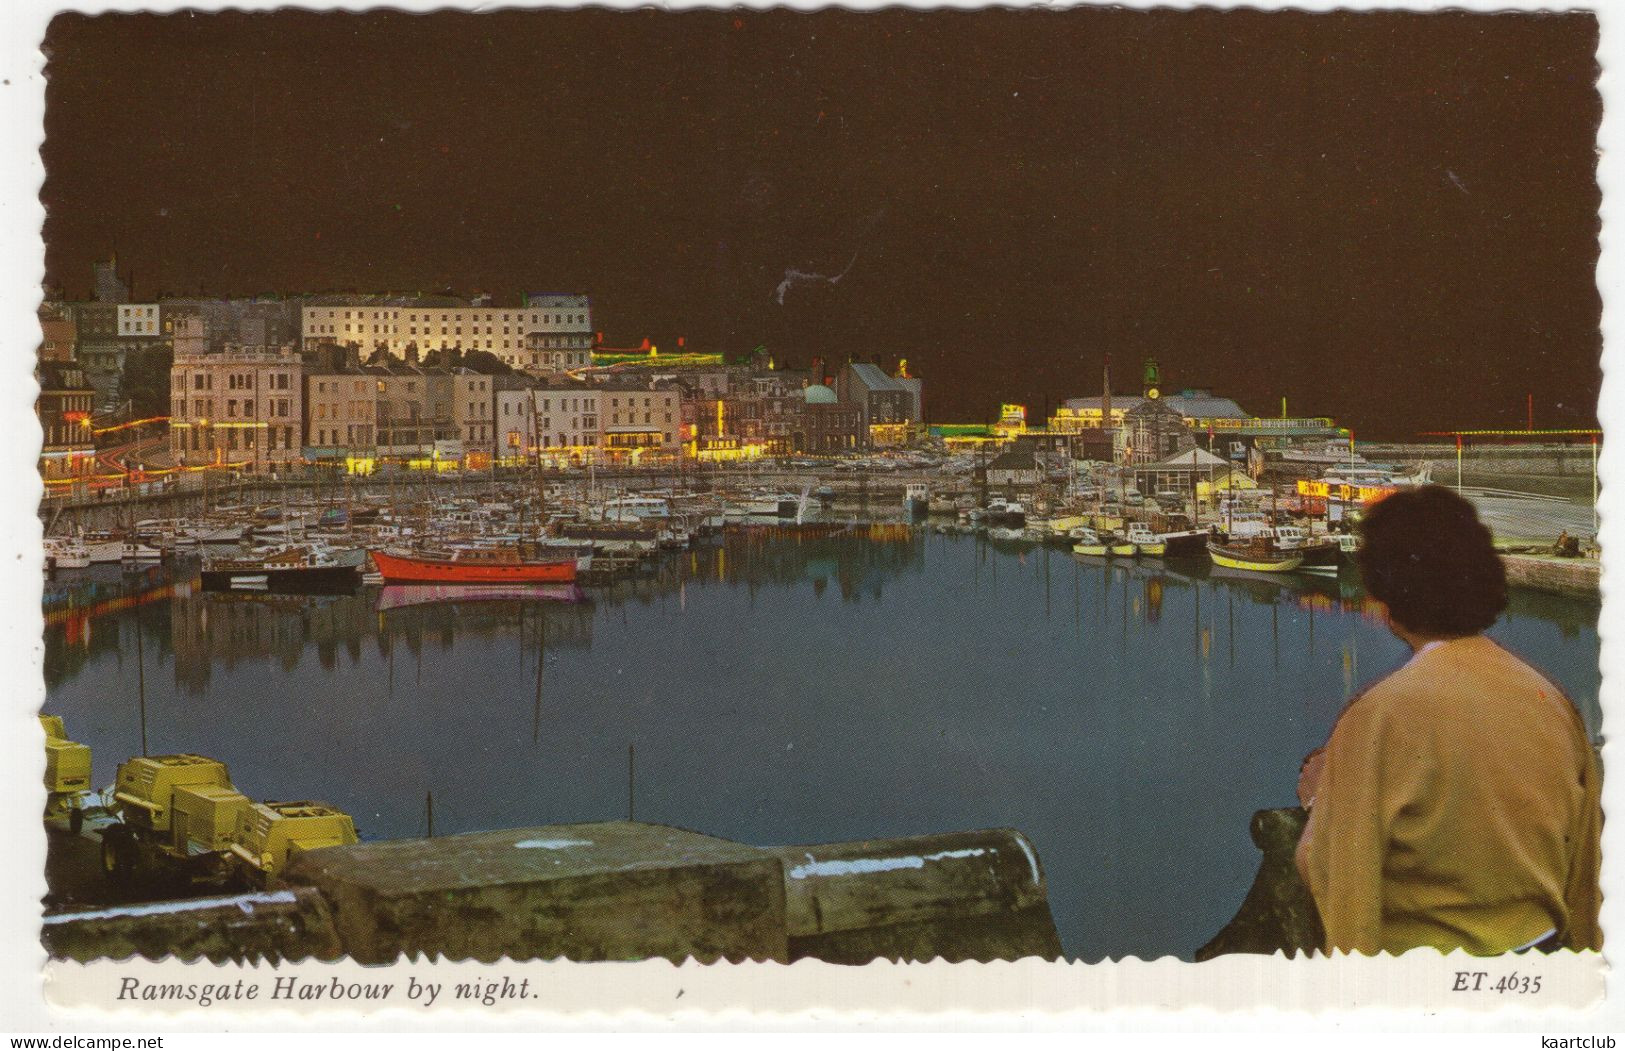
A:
{"x": 1458, "y": 806}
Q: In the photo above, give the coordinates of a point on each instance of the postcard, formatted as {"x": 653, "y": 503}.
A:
{"x": 542, "y": 510}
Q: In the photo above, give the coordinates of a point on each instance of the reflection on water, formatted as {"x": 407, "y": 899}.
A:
{"x": 787, "y": 686}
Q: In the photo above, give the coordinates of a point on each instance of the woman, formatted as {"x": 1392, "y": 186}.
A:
{"x": 1457, "y": 802}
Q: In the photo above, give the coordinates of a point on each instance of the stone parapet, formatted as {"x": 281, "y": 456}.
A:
{"x": 607, "y": 891}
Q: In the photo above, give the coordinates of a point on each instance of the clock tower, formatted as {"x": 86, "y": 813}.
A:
{"x": 1152, "y": 385}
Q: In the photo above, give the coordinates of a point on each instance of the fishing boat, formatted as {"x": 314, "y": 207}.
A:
{"x": 1145, "y": 541}
{"x": 493, "y": 564}
{"x": 1121, "y": 546}
{"x": 1320, "y": 554}
{"x": 1258, "y": 554}
{"x": 1087, "y": 542}
{"x": 299, "y": 568}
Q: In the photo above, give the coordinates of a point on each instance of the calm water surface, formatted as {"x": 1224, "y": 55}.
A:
{"x": 1128, "y": 718}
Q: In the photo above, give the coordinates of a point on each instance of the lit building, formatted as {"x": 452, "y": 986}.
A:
{"x": 550, "y": 352}
{"x": 1154, "y": 430}
{"x": 567, "y": 420}
{"x": 138, "y": 320}
{"x": 1217, "y": 423}
{"x": 637, "y": 419}
{"x": 414, "y": 410}
{"x": 546, "y": 327}
{"x": 340, "y": 410}
{"x": 240, "y": 405}
{"x": 59, "y": 333}
{"x": 64, "y": 406}
{"x": 889, "y": 406}
{"x": 827, "y": 426}
{"x": 473, "y": 411}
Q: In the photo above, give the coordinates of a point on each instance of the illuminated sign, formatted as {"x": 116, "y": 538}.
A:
{"x": 1365, "y": 494}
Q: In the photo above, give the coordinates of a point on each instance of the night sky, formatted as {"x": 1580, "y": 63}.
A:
{"x": 1389, "y": 218}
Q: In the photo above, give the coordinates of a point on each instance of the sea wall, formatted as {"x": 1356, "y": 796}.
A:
{"x": 1564, "y": 576}
{"x": 1490, "y": 458}
{"x": 607, "y": 891}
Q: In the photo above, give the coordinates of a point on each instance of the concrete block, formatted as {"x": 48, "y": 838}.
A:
{"x": 962, "y": 896}
{"x": 609, "y": 891}
{"x": 287, "y": 924}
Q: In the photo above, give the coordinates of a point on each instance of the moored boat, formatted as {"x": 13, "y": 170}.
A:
{"x": 1188, "y": 543}
{"x": 65, "y": 552}
{"x": 917, "y": 500}
{"x": 473, "y": 565}
{"x": 1145, "y": 541}
{"x": 1260, "y": 555}
{"x": 301, "y": 568}
{"x": 1088, "y": 542}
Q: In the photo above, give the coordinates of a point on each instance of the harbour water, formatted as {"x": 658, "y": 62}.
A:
{"x": 883, "y": 681}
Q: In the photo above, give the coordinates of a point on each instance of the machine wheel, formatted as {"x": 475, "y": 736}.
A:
{"x": 118, "y": 855}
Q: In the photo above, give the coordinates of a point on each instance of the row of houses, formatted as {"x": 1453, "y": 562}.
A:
{"x": 268, "y": 408}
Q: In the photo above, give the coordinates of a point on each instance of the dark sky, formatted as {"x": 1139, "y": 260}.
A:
{"x": 1386, "y": 217}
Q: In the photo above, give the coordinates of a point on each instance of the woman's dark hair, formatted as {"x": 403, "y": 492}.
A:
{"x": 1431, "y": 561}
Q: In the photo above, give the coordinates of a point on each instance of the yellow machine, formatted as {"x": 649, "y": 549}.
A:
{"x": 181, "y": 815}
{"x": 177, "y": 808}
{"x": 268, "y": 834}
{"x": 67, "y": 773}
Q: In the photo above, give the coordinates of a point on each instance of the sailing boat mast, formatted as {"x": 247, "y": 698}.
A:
{"x": 541, "y": 483}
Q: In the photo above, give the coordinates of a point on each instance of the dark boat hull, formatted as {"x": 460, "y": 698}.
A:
{"x": 317, "y": 580}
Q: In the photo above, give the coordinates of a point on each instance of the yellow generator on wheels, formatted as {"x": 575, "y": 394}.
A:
{"x": 181, "y": 817}
{"x": 67, "y": 774}
{"x": 177, "y": 816}
{"x": 268, "y": 834}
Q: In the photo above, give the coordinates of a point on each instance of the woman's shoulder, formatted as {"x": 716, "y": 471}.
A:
{"x": 1458, "y": 671}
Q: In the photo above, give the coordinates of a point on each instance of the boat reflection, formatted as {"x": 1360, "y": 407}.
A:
{"x": 401, "y": 596}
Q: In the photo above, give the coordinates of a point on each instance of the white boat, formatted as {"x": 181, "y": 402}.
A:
{"x": 65, "y": 552}
{"x": 135, "y": 551}
{"x": 916, "y": 499}
{"x": 1007, "y": 513}
{"x": 1145, "y": 541}
{"x": 101, "y": 548}
{"x": 652, "y": 509}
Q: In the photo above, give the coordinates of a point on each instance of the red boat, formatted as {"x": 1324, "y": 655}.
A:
{"x": 473, "y": 565}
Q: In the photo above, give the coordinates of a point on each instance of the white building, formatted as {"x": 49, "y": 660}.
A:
{"x": 138, "y": 319}
{"x": 557, "y": 419}
{"x": 520, "y": 336}
{"x": 240, "y": 405}
{"x": 472, "y": 408}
